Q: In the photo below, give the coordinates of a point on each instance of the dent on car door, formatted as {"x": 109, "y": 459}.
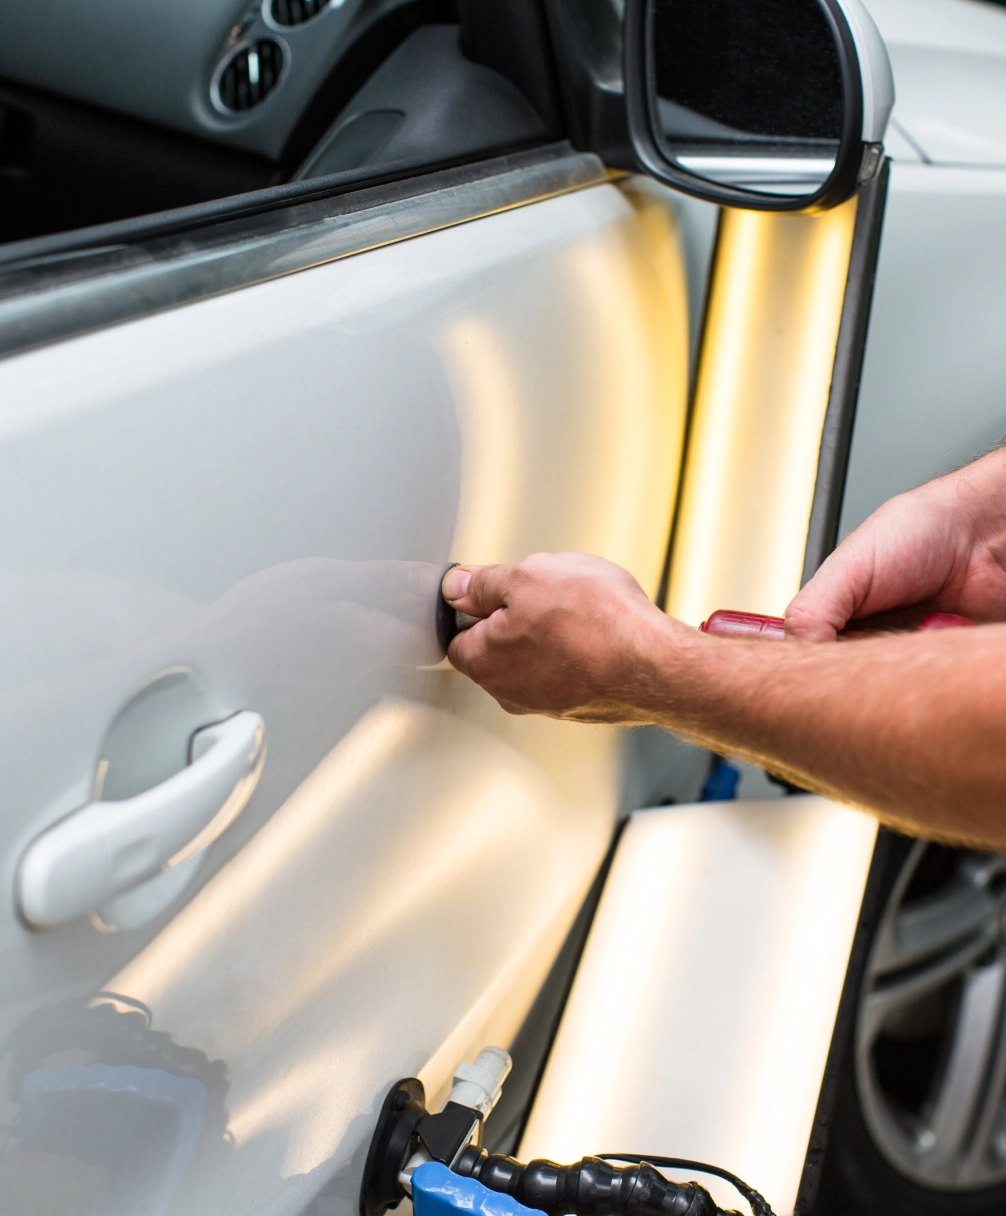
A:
{"x": 245, "y": 502}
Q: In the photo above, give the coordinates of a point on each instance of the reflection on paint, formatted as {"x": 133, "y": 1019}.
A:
{"x": 602, "y": 419}
{"x": 301, "y": 1086}
{"x": 809, "y": 934}
{"x": 301, "y": 960}
{"x": 638, "y": 455}
{"x": 289, "y": 833}
{"x": 489, "y": 400}
{"x": 762, "y": 390}
{"x": 116, "y": 1130}
{"x": 134, "y": 1108}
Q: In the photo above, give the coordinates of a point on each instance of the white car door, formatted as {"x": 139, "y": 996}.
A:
{"x": 235, "y": 462}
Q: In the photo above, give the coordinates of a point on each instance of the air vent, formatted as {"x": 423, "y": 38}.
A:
{"x": 296, "y": 12}
{"x": 251, "y": 75}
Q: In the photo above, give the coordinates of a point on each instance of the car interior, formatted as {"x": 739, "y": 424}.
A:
{"x": 116, "y": 110}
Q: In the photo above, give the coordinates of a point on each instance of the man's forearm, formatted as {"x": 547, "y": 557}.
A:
{"x": 910, "y": 727}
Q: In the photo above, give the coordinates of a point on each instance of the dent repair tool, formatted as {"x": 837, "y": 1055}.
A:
{"x": 438, "y": 1161}
{"x": 724, "y": 622}
{"x": 449, "y": 621}
{"x": 728, "y": 624}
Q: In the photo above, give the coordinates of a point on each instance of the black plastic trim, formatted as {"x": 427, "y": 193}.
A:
{"x": 376, "y": 32}
{"x": 874, "y": 898}
{"x": 403, "y": 1108}
{"x": 822, "y": 535}
{"x": 587, "y": 38}
{"x": 512, "y": 38}
{"x": 53, "y": 296}
{"x": 839, "y": 186}
{"x": 843, "y": 396}
{"x": 150, "y": 227}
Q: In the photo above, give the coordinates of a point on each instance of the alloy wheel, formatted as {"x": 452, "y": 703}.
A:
{"x": 931, "y": 1034}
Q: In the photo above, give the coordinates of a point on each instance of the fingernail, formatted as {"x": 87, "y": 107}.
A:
{"x": 455, "y": 583}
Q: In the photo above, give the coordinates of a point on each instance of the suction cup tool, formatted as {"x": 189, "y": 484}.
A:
{"x": 404, "y": 1106}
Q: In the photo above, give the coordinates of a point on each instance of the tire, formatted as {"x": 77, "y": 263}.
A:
{"x": 918, "y": 1125}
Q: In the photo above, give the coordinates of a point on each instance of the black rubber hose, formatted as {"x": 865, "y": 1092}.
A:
{"x": 591, "y": 1187}
{"x": 757, "y": 1202}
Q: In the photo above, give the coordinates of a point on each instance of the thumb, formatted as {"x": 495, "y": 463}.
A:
{"x": 822, "y": 608}
{"x": 477, "y": 590}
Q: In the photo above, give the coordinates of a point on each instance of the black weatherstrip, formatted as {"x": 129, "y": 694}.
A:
{"x": 822, "y": 536}
{"x": 874, "y": 897}
{"x": 836, "y": 437}
{"x": 56, "y": 296}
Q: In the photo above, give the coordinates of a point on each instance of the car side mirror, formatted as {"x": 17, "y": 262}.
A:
{"x": 773, "y": 105}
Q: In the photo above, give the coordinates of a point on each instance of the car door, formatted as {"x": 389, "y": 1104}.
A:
{"x": 237, "y": 452}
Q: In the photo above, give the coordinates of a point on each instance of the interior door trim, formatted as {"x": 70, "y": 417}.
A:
{"x": 57, "y": 296}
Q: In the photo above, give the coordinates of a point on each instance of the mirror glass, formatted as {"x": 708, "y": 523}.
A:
{"x": 747, "y": 93}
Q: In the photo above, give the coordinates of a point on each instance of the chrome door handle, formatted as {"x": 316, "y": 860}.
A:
{"x": 104, "y": 848}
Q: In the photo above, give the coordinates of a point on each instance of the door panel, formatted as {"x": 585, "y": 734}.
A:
{"x": 255, "y": 495}
{"x": 933, "y": 381}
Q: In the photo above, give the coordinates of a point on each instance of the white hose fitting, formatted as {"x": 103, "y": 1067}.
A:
{"x": 479, "y": 1085}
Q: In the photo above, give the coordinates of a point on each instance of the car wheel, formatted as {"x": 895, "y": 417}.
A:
{"x": 919, "y": 1122}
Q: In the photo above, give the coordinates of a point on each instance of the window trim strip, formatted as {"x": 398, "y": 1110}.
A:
{"x": 53, "y": 297}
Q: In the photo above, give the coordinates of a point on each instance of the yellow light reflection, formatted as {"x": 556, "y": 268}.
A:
{"x": 297, "y": 1084}
{"x": 775, "y": 1096}
{"x": 489, "y": 403}
{"x": 313, "y": 942}
{"x": 571, "y": 408}
{"x": 638, "y": 300}
{"x": 701, "y": 1016}
{"x": 761, "y": 394}
{"x": 309, "y": 812}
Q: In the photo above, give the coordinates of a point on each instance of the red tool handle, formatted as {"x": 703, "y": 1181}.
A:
{"x": 727, "y": 624}
{"x": 944, "y": 620}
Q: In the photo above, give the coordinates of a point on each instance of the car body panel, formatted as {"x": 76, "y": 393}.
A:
{"x": 259, "y": 491}
{"x": 933, "y": 386}
{"x": 948, "y": 58}
{"x": 933, "y": 393}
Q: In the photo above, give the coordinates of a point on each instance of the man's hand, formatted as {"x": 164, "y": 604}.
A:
{"x": 913, "y": 727}
{"x": 940, "y": 548}
{"x": 564, "y": 634}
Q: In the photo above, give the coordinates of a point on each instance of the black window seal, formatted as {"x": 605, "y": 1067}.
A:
{"x": 48, "y": 295}
{"x": 148, "y": 227}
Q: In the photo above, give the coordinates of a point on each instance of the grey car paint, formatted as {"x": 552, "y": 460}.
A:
{"x": 248, "y": 500}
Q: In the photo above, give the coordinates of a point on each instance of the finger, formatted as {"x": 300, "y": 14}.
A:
{"x": 835, "y": 593}
{"x": 477, "y": 590}
{"x": 467, "y": 650}
{"x": 470, "y": 653}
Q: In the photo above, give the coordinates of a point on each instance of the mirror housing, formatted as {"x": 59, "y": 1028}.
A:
{"x": 771, "y": 105}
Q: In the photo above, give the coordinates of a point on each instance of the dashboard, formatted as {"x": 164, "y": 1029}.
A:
{"x": 236, "y": 74}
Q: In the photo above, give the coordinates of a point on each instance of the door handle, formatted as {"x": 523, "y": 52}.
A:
{"x": 104, "y": 848}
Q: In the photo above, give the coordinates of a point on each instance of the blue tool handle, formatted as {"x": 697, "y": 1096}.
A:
{"x": 438, "y": 1191}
